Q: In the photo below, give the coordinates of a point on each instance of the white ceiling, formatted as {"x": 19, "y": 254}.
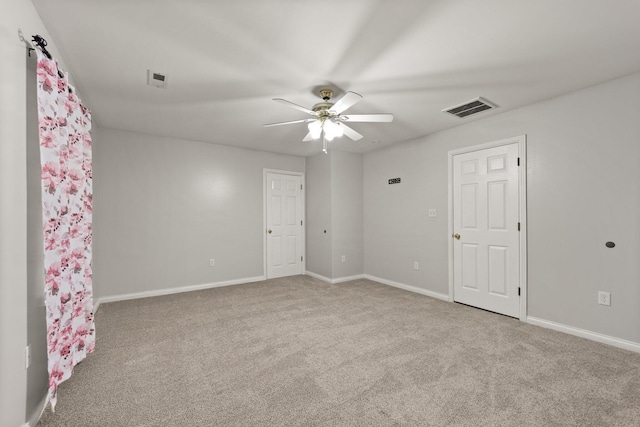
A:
{"x": 226, "y": 60}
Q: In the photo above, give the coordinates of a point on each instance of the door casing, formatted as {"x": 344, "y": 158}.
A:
{"x": 522, "y": 207}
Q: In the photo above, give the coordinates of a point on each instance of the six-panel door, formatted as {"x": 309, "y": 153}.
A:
{"x": 486, "y": 237}
{"x": 284, "y": 225}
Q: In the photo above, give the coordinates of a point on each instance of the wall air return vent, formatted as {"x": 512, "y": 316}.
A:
{"x": 470, "y": 107}
{"x": 156, "y": 79}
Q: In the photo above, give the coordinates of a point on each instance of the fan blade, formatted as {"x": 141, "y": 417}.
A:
{"x": 350, "y": 132}
{"x": 367, "y": 118}
{"x": 345, "y": 102}
{"x": 296, "y": 106}
{"x": 288, "y": 123}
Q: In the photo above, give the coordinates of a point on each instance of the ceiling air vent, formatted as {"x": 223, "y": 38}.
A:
{"x": 156, "y": 79}
{"x": 470, "y": 107}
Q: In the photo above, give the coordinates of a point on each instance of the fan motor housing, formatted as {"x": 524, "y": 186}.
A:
{"x": 322, "y": 108}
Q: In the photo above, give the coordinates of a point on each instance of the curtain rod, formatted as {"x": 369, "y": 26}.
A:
{"x": 39, "y": 42}
{"x": 42, "y": 44}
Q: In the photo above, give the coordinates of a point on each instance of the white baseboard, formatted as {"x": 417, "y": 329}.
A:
{"x": 348, "y": 278}
{"x": 37, "y": 414}
{"x": 334, "y": 281}
{"x": 169, "y": 291}
{"x": 583, "y": 333}
{"x": 317, "y": 276}
{"x": 409, "y": 288}
{"x": 437, "y": 295}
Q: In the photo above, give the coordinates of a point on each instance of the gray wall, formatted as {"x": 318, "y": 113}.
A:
{"x": 397, "y": 229}
{"x": 346, "y": 213}
{"x": 318, "y": 210}
{"x": 37, "y": 374}
{"x": 334, "y": 204}
{"x": 163, "y": 207}
{"x": 583, "y": 173}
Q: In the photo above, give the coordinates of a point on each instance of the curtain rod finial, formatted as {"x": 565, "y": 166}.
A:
{"x": 42, "y": 44}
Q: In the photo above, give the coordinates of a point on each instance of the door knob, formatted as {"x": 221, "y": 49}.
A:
{"x": 457, "y": 236}
{"x": 269, "y": 231}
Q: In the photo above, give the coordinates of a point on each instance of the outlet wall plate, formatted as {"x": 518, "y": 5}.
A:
{"x": 604, "y": 298}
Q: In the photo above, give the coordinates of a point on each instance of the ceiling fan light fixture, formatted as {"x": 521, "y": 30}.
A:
{"x": 327, "y": 122}
{"x": 339, "y": 129}
{"x": 332, "y": 130}
{"x": 315, "y": 128}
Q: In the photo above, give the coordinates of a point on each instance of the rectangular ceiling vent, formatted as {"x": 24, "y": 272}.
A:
{"x": 156, "y": 79}
{"x": 470, "y": 107}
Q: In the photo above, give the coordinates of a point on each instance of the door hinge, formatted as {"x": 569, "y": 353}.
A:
{"x": 300, "y": 222}
{"x": 518, "y": 291}
{"x": 301, "y": 258}
{"x": 518, "y": 226}
{"x": 518, "y": 161}
{"x": 301, "y": 186}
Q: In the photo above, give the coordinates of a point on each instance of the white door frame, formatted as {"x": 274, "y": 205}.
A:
{"x": 302, "y": 215}
{"x": 522, "y": 207}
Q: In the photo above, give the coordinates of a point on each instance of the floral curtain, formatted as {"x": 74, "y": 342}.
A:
{"x": 65, "y": 154}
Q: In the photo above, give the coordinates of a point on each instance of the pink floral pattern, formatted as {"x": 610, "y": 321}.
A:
{"x": 65, "y": 153}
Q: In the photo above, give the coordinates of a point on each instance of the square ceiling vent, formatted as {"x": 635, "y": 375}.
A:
{"x": 470, "y": 107}
{"x": 156, "y": 79}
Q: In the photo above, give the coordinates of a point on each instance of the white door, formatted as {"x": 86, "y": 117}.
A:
{"x": 284, "y": 225}
{"x": 486, "y": 240}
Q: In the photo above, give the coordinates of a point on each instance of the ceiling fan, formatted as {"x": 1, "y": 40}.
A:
{"x": 328, "y": 119}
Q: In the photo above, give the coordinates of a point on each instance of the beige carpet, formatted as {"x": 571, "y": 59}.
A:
{"x": 301, "y": 352}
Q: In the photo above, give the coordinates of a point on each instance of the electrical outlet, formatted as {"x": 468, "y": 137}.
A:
{"x": 432, "y": 213}
{"x": 212, "y": 262}
{"x": 416, "y": 265}
{"x": 604, "y": 298}
{"x": 27, "y": 357}
{"x": 344, "y": 258}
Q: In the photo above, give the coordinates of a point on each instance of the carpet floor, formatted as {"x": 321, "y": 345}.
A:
{"x": 301, "y": 352}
